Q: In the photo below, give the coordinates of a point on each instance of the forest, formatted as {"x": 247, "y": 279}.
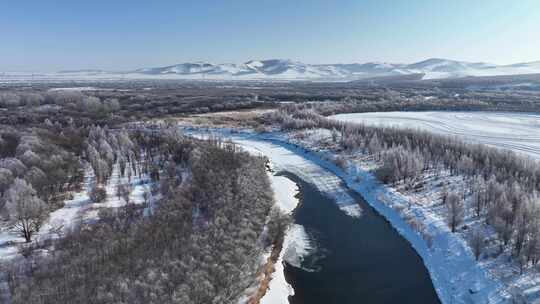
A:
{"x": 116, "y": 102}
{"x": 197, "y": 232}
{"x": 196, "y": 238}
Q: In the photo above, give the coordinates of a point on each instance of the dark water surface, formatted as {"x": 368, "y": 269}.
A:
{"x": 357, "y": 260}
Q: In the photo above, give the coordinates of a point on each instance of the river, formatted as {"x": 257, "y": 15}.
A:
{"x": 355, "y": 260}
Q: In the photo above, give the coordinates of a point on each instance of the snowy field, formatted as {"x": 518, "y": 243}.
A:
{"x": 518, "y": 132}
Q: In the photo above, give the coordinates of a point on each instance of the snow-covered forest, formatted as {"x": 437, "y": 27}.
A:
{"x": 103, "y": 199}
{"x": 194, "y": 235}
{"x": 486, "y": 195}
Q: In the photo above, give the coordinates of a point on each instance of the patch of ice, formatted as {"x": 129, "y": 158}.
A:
{"x": 296, "y": 245}
{"x": 285, "y": 191}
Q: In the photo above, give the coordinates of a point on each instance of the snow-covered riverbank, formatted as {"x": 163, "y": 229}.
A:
{"x": 295, "y": 244}
{"x": 306, "y": 169}
{"x": 456, "y": 276}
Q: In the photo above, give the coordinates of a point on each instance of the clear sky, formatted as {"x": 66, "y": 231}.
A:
{"x": 124, "y": 34}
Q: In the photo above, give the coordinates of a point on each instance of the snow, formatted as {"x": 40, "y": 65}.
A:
{"x": 58, "y": 221}
{"x": 139, "y": 185}
{"x": 502, "y": 269}
{"x": 519, "y": 132}
{"x": 77, "y": 210}
{"x": 296, "y": 243}
{"x": 295, "y": 247}
{"x": 279, "y": 290}
{"x": 452, "y": 267}
{"x": 8, "y": 241}
{"x": 283, "y": 188}
{"x": 67, "y": 217}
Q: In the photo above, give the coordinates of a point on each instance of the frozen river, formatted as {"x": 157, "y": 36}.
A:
{"x": 349, "y": 253}
{"x": 519, "y": 132}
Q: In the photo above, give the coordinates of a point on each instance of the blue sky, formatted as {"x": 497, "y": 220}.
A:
{"x": 118, "y": 34}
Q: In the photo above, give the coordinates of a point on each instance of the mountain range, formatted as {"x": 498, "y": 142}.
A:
{"x": 283, "y": 69}
{"x": 287, "y": 69}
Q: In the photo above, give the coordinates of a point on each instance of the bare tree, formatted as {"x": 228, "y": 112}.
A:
{"x": 124, "y": 191}
{"x": 479, "y": 194}
{"x": 477, "y": 243}
{"x": 97, "y": 194}
{"x": 456, "y": 210}
{"x": 25, "y": 209}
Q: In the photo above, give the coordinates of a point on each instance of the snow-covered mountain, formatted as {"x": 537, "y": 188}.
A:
{"x": 447, "y": 66}
{"x": 283, "y": 69}
{"x": 287, "y": 69}
{"x": 254, "y": 69}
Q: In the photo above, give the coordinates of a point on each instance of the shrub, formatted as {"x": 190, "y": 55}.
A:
{"x": 98, "y": 194}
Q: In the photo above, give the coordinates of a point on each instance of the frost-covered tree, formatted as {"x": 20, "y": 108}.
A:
{"x": 479, "y": 195}
{"x": 504, "y": 231}
{"x": 525, "y": 224}
{"x": 201, "y": 244}
{"x": 124, "y": 191}
{"x": 97, "y": 194}
{"x": 106, "y": 152}
{"x": 14, "y": 165}
{"x": 90, "y": 104}
{"x": 277, "y": 225}
{"x": 64, "y": 97}
{"x": 26, "y": 211}
{"x": 32, "y": 99}
{"x": 101, "y": 171}
{"x": 111, "y": 105}
{"x": 30, "y": 158}
{"x": 477, "y": 243}
{"x": 37, "y": 178}
{"x": 455, "y": 210}
{"x": 6, "y": 178}
{"x": 9, "y": 99}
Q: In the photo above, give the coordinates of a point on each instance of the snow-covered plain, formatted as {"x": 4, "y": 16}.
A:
{"x": 519, "y": 132}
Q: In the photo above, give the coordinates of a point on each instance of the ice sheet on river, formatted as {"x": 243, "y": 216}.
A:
{"x": 326, "y": 182}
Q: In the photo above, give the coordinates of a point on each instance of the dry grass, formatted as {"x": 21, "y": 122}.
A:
{"x": 266, "y": 272}
{"x": 228, "y": 119}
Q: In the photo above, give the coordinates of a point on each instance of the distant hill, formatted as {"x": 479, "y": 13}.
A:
{"x": 284, "y": 69}
{"x": 434, "y": 68}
